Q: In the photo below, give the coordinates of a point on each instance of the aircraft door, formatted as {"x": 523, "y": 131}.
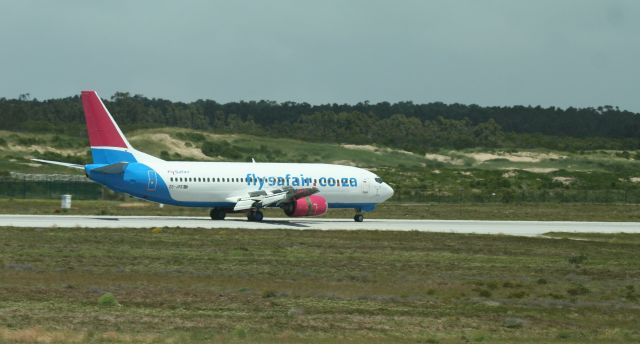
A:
{"x": 365, "y": 186}
{"x": 153, "y": 180}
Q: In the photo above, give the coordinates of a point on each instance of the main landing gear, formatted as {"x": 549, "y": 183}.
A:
{"x": 217, "y": 214}
{"x": 220, "y": 213}
{"x": 255, "y": 215}
{"x": 358, "y": 217}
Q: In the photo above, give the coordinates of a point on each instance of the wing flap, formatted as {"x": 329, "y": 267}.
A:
{"x": 244, "y": 205}
{"x": 267, "y": 198}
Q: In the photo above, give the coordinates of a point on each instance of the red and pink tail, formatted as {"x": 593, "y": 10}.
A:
{"x": 108, "y": 144}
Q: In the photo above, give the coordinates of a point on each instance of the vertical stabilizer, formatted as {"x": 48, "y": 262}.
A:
{"x": 108, "y": 144}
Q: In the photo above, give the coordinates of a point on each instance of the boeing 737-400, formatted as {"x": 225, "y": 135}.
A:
{"x": 302, "y": 189}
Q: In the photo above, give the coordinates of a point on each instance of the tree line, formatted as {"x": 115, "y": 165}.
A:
{"x": 414, "y": 127}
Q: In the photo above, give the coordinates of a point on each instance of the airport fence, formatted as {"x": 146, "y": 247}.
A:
{"x": 32, "y": 186}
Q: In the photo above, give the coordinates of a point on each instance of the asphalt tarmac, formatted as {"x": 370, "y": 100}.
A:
{"x": 522, "y": 228}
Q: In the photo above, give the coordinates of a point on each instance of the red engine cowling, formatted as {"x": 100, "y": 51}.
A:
{"x": 314, "y": 205}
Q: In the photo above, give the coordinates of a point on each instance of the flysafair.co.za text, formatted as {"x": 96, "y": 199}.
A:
{"x": 301, "y": 180}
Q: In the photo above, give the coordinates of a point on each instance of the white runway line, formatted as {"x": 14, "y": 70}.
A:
{"x": 522, "y": 228}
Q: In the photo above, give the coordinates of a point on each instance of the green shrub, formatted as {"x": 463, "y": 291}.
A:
{"x": 577, "y": 260}
{"x": 107, "y": 300}
{"x": 484, "y": 293}
{"x": 268, "y": 294}
{"x": 190, "y": 136}
{"x": 578, "y": 290}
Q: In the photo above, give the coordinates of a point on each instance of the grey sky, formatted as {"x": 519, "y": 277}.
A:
{"x": 542, "y": 52}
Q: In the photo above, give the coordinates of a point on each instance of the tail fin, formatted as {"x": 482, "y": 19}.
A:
{"x": 108, "y": 144}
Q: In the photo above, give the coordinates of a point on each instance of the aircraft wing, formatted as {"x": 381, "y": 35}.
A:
{"x": 274, "y": 197}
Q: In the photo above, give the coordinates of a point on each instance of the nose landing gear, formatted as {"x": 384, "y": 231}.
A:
{"x": 358, "y": 217}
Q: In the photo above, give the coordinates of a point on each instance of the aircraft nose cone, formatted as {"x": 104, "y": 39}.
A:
{"x": 388, "y": 191}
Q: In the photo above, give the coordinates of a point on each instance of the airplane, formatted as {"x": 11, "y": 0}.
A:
{"x": 299, "y": 189}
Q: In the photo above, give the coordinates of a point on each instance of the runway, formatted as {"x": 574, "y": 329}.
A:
{"x": 522, "y": 228}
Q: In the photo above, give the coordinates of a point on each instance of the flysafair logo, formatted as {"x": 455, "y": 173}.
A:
{"x": 301, "y": 180}
{"x": 174, "y": 172}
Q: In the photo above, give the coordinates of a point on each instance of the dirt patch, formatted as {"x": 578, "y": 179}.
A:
{"x": 515, "y": 157}
{"x": 564, "y": 180}
{"x": 42, "y": 149}
{"x": 540, "y": 169}
{"x": 635, "y": 179}
{"x": 374, "y": 149}
{"x": 510, "y": 174}
{"x": 176, "y": 146}
{"x": 443, "y": 158}
{"x": 344, "y": 162}
{"x": 368, "y": 148}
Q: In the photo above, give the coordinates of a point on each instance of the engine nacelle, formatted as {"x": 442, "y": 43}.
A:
{"x": 314, "y": 205}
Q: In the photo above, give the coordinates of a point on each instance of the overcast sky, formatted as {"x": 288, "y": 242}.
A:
{"x": 542, "y": 52}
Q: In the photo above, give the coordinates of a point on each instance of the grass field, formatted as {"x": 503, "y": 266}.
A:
{"x": 437, "y": 211}
{"x": 191, "y": 286}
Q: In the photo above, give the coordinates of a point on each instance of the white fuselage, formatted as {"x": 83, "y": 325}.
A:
{"x": 342, "y": 186}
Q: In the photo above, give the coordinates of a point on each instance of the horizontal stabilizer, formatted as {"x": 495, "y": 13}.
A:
{"x": 65, "y": 164}
{"x": 116, "y": 168}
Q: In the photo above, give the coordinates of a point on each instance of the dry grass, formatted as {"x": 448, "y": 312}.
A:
{"x": 194, "y": 285}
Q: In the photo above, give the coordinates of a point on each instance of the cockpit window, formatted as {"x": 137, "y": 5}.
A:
{"x": 379, "y": 180}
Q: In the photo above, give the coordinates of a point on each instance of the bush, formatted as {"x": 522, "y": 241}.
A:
{"x": 578, "y": 290}
{"x": 513, "y": 323}
{"x": 108, "y": 300}
{"x": 577, "y": 260}
{"x": 517, "y": 295}
{"x": 268, "y": 294}
{"x": 190, "y": 136}
{"x": 484, "y": 293}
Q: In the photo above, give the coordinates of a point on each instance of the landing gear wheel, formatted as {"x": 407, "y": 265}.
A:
{"x": 256, "y": 216}
{"x": 358, "y": 218}
{"x": 217, "y": 214}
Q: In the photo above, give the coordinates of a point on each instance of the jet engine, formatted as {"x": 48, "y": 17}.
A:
{"x": 313, "y": 205}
